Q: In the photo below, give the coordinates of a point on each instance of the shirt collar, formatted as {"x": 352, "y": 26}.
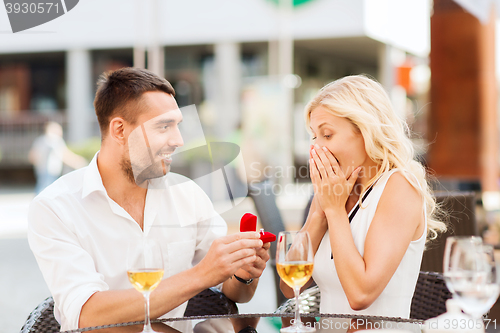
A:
{"x": 92, "y": 180}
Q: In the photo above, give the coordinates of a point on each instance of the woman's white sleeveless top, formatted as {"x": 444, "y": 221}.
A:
{"x": 395, "y": 300}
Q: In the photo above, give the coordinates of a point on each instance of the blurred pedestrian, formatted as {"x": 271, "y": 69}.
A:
{"x": 49, "y": 154}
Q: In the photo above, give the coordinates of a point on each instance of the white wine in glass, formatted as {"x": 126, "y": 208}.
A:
{"x": 145, "y": 271}
{"x": 145, "y": 280}
{"x": 295, "y": 263}
{"x": 295, "y": 273}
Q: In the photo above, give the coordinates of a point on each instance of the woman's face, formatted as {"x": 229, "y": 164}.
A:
{"x": 343, "y": 140}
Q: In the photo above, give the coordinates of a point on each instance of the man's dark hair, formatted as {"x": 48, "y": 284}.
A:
{"x": 118, "y": 94}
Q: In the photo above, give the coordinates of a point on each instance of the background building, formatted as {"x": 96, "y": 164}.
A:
{"x": 233, "y": 59}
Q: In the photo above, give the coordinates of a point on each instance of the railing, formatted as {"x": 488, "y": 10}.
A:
{"x": 18, "y": 133}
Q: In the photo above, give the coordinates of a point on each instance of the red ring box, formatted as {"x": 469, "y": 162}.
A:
{"x": 249, "y": 223}
{"x": 267, "y": 237}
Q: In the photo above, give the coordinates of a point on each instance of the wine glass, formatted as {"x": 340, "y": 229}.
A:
{"x": 145, "y": 270}
{"x": 451, "y": 243}
{"x": 472, "y": 276}
{"x": 294, "y": 262}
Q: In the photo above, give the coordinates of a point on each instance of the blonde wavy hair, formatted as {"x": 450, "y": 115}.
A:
{"x": 367, "y": 106}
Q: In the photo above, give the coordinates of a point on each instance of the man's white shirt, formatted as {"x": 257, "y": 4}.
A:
{"x": 79, "y": 235}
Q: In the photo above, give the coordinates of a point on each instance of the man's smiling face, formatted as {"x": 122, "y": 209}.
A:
{"x": 153, "y": 139}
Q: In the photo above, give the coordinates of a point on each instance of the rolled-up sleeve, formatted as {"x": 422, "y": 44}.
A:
{"x": 68, "y": 269}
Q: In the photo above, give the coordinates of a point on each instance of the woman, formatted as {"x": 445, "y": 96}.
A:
{"x": 367, "y": 258}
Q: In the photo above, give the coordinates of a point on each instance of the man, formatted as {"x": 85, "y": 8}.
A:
{"x": 80, "y": 226}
